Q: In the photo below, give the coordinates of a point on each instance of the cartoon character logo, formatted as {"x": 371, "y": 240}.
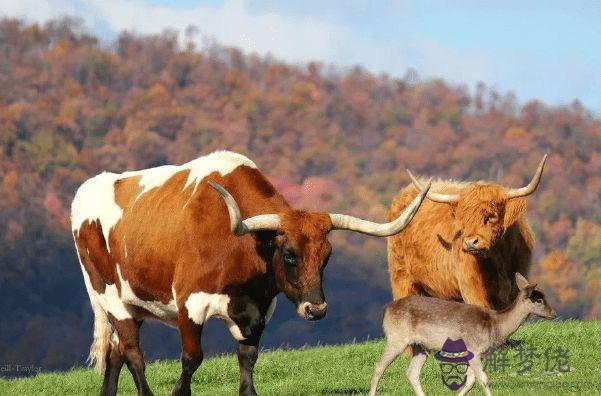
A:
{"x": 454, "y": 362}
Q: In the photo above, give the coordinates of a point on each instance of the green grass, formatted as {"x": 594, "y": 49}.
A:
{"x": 347, "y": 369}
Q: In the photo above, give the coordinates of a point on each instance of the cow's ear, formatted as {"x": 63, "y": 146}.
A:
{"x": 514, "y": 209}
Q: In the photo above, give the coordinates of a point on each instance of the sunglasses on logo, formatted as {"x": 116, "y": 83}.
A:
{"x": 448, "y": 368}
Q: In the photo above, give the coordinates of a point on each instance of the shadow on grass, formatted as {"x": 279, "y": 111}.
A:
{"x": 355, "y": 391}
{"x": 513, "y": 343}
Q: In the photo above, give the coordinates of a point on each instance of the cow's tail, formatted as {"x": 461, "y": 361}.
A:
{"x": 102, "y": 338}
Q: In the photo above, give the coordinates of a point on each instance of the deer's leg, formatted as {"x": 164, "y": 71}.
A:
{"x": 114, "y": 362}
{"x": 192, "y": 355}
{"x": 415, "y": 368}
{"x": 469, "y": 383}
{"x": 390, "y": 353}
{"x": 128, "y": 331}
{"x": 476, "y": 365}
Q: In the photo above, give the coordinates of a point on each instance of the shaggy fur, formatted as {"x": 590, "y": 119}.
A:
{"x": 429, "y": 258}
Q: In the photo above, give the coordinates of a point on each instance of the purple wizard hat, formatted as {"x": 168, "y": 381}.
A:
{"x": 454, "y": 351}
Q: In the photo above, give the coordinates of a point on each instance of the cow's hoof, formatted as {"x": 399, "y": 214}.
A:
{"x": 180, "y": 390}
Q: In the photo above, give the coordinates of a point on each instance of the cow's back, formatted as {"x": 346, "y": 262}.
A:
{"x": 107, "y": 195}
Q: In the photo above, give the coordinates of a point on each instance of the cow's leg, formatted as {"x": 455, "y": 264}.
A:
{"x": 192, "y": 355}
{"x": 471, "y": 284}
{"x": 114, "y": 362}
{"x": 402, "y": 286}
{"x": 401, "y": 280}
{"x": 248, "y": 353}
{"x": 506, "y": 293}
{"x": 128, "y": 331}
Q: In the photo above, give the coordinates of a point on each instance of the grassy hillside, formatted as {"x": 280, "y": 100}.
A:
{"x": 347, "y": 369}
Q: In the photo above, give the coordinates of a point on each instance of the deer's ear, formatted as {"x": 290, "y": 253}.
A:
{"x": 522, "y": 282}
{"x": 514, "y": 209}
{"x": 529, "y": 289}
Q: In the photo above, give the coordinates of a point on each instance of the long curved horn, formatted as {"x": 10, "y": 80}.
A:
{"x": 346, "y": 222}
{"x": 531, "y": 187}
{"x": 237, "y": 225}
{"x": 433, "y": 196}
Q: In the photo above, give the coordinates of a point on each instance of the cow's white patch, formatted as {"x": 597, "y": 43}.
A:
{"x": 234, "y": 329}
{"x": 109, "y": 300}
{"x": 223, "y": 162}
{"x": 115, "y": 339}
{"x": 165, "y": 312}
{"x": 112, "y": 303}
{"x": 156, "y": 177}
{"x": 86, "y": 277}
{"x": 201, "y": 306}
{"x": 270, "y": 310}
{"x": 95, "y": 199}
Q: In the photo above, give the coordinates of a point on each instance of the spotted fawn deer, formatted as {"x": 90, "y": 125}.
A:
{"x": 427, "y": 323}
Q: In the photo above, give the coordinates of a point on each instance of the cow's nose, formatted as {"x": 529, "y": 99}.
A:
{"x": 471, "y": 243}
{"x": 316, "y": 311}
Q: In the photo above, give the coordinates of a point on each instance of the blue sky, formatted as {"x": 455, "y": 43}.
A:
{"x": 549, "y": 50}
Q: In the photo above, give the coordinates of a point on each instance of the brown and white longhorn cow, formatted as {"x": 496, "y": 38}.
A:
{"x": 466, "y": 243}
{"x": 160, "y": 244}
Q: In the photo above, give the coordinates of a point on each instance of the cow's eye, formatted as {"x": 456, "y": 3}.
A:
{"x": 289, "y": 258}
{"x": 491, "y": 217}
{"x": 539, "y": 300}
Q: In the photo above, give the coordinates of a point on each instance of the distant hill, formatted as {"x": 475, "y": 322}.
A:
{"x": 71, "y": 107}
